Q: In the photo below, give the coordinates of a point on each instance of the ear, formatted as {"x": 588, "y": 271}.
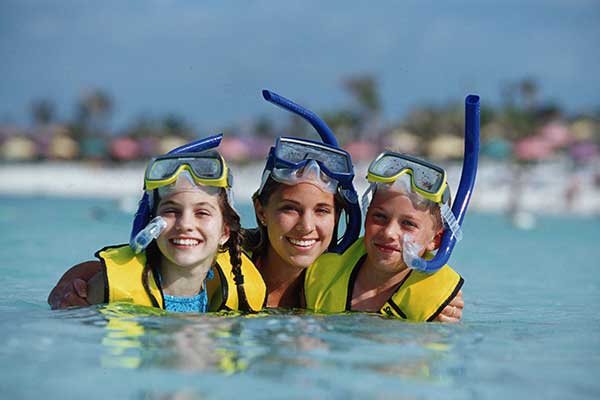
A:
{"x": 436, "y": 241}
{"x": 225, "y": 235}
{"x": 260, "y": 212}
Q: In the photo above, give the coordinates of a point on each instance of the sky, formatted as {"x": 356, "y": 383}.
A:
{"x": 207, "y": 61}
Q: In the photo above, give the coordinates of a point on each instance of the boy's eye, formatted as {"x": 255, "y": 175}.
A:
{"x": 409, "y": 223}
{"x": 379, "y": 216}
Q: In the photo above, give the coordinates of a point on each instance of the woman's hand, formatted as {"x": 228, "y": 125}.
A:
{"x": 71, "y": 289}
{"x": 453, "y": 311}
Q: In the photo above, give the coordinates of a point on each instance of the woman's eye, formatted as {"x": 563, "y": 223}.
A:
{"x": 288, "y": 208}
{"x": 323, "y": 211}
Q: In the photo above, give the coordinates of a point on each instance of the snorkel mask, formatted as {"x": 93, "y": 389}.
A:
{"x": 192, "y": 165}
{"x": 293, "y": 160}
{"x": 429, "y": 181}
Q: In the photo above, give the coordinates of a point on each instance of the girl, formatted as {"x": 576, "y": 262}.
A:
{"x": 195, "y": 222}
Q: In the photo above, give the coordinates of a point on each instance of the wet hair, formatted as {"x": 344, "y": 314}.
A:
{"x": 231, "y": 219}
{"x": 256, "y": 240}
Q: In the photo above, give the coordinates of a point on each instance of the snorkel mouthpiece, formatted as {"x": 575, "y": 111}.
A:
{"x": 410, "y": 251}
{"x": 148, "y": 234}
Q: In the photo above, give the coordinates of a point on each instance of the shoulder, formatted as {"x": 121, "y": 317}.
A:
{"x": 332, "y": 263}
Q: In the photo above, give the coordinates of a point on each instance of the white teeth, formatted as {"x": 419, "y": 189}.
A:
{"x": 185, "y": 242}
{"x": 302, "y": 243}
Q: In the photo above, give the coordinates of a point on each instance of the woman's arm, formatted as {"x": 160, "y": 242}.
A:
{"x": 71, "y": 290}
{"x": 95, "y": 293}
{"x": 453, "y": 311}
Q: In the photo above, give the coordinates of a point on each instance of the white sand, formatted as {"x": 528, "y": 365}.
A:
{"x": 545, "y": 186}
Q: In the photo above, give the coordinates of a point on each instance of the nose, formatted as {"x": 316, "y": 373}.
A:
{"x": 185, "y": 222}
{"x": 392, "y": 230}
{"x": 306, "y": 224}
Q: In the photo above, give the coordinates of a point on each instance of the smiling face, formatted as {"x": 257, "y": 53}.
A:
{"x": 392, "y": 215}
{"x": 194, "y": 230}
{"x": 300, "y": 220}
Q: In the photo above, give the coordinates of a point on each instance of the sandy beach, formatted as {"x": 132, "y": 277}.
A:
{"x": 550, "y": 188}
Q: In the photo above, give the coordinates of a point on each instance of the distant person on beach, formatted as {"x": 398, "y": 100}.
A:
{"x": 404, "y": 221}
{"x": 195, "y": 235}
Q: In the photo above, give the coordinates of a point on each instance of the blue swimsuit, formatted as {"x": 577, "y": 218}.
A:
{"x": 198, "y": 303}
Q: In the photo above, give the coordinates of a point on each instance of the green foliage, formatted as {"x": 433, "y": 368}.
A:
{"x": 520, "y": 114}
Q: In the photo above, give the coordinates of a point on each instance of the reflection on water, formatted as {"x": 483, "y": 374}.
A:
{"x": 273, "y": 347}
{"x": 531, "y": 318}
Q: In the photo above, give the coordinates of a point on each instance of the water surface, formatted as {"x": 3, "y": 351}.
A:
{"x": 530, "y": 328}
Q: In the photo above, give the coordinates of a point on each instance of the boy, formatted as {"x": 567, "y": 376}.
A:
{"x": 405, "y": 221}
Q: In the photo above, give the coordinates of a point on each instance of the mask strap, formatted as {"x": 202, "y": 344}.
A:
{"x": 263, "y": 181}
{"x": 366, "y": 198}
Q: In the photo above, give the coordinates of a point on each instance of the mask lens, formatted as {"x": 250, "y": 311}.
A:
{"x": 295, "y": 152}
{"x": 203, "y": 167}
{"x": 209, "y": 168}
{"x": 424, "y": 177}
{"x": 427, "y": 179}
{"x": 162, "y": 169}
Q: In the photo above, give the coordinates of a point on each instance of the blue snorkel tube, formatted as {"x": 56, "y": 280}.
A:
{"x": 142, "y": 215}
{"x": 465, "y": 188}
{"x": 349, "y": 192}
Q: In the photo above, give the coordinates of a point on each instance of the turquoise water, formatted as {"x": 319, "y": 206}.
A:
{"x": 530, "y": 328}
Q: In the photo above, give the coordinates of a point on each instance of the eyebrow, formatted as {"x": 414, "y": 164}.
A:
{"x": 322, "y": 204}
{"x": 199, "y": 204}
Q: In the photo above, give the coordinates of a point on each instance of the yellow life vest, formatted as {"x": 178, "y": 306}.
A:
{"x": 124, "y": 281}
{"x": 420, "y": 297}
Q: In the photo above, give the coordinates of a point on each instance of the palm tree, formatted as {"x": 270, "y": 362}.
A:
{"x": 43, "y": 112}
{"x": 528, "y": 89}
{"x": 94, "y": 111}
{"x": 365, "y": 92}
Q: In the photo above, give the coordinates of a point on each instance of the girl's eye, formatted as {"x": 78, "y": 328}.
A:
{"x": 202, "y": 213}
{"x": 168, "y": 211}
